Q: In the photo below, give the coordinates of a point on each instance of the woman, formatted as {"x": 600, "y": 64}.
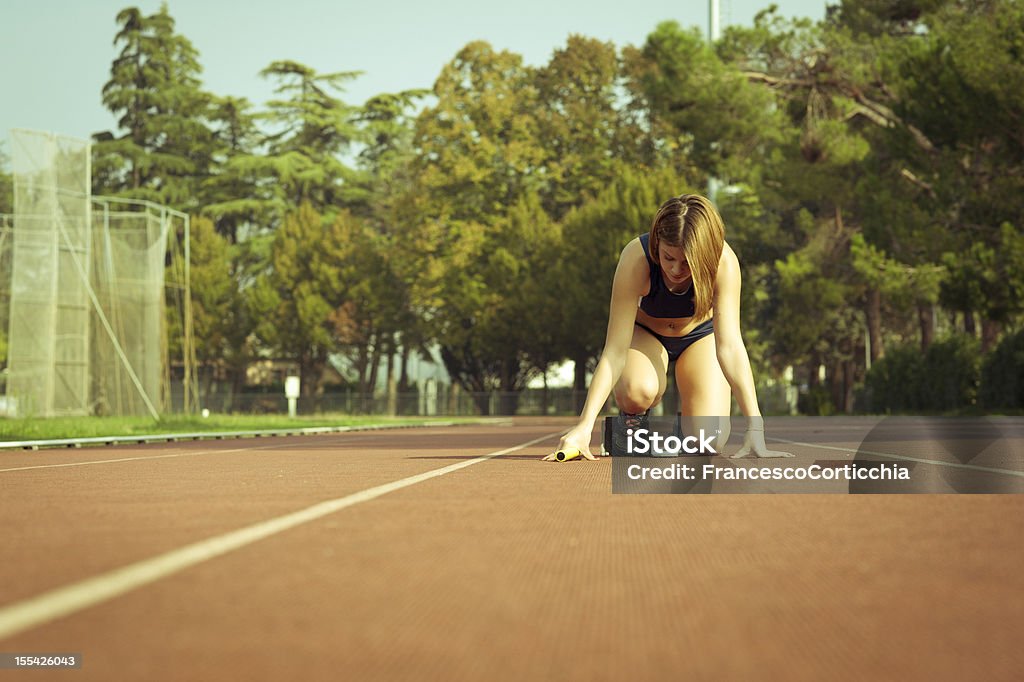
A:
{"x": 666, "y": 287}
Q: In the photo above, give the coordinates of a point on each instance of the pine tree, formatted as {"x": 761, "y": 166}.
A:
{"x": 165, "y": 149}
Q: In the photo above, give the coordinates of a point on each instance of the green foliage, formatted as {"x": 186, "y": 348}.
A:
{"x": 507, "y": 331}
{"x": 476, "y": 231}
{"x": 959, "y": 83}
{"x": 315, "y": 127}
{"x": 477, "y": 147}
{"x": 237, "y": 194}
{"x": 986, "y": 278}
{"x": 815, "y": 402}
{"x": 953, "y": 369}
{"x": 901, "y": 284}
{"x": 894, "y": 382}
{"x": 387, "y": 154}
{"x": 219, "y": 316}
{"x": 584, "y": 127}
{"x": 1002, "y": 374}
{"x": 166, "y": 147}
{"x": 868, "y": 168}
{"x": 872, "y": 17}
{"x": 943, "y": 379}
{"x": 707, "y": 117}
{"x": 808, "y": 304}
{"x": 261, "y": 177}
{"x": 296, "y": 299}
{"x": 6, "y": 185}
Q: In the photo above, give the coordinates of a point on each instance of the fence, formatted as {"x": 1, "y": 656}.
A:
{"x": 774, "y": 399}
{"x": 445, "y": 403}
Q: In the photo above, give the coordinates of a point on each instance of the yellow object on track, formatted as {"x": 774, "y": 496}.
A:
{"x": 567, "y": 454}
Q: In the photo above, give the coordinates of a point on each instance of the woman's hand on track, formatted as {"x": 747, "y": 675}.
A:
{"x": 577, "y": 438}
{"x": 753, "y": 444}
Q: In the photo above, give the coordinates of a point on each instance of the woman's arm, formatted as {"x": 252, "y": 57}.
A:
{"x": 732, "y": 355}
{"x": 621, "y": 316}
{"x": 631, "y": 279}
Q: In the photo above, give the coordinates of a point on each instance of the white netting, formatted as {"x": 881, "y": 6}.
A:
{"x": 128, "y": 279}
{"x": 87, "y": 331}
{"x": 48, "y": 339}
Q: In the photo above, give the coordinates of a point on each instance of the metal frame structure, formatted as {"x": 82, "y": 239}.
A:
{"x": 65, "y": 290}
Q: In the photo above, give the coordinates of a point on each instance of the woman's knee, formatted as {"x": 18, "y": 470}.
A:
{"x": 635, "y": 396}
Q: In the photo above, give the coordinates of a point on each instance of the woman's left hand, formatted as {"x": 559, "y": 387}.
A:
{"x": 753, "y": 444}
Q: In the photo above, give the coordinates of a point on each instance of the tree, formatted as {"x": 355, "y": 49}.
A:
{"x": 988, "y": 279}
{"x": 238, "y": 195}
{"x": 477, "y": 147}
{"x": 296, "y": 299}
{"x": 387, "y": 125}
{"x": 369, "y": 299}
{"x": 219, "y": 317}
{"x": 707, "y": 119}
{"x": 477, "y": 156}
{"x": 312, "y": 129}
{"x": 154, "y": 89}
{"x": 583, "y": 123}
{"x": 386, "y": 163}
{"x": 960, "y": 82}
{"x": 515, "y": 331}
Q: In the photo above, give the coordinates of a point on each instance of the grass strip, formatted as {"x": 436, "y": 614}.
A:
{"x": 94, "y": 427}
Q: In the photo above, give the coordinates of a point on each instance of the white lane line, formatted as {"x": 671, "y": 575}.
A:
{"x": 126, "y": 459}
{"x": 177, "y": 454}
{"x": 956, "y": 465}
{"x": 75, "y": 597}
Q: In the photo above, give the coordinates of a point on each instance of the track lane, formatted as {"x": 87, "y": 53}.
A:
{"x": 61, "y": 525}
{"x": 517, "y": 569}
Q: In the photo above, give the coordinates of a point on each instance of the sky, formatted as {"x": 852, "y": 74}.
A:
{"x": 55, "y": 55}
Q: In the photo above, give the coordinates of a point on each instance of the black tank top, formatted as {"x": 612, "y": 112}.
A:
{"x": 660, "y": 302}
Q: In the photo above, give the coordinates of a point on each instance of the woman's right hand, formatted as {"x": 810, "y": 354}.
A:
{"x": 578, "y": 438}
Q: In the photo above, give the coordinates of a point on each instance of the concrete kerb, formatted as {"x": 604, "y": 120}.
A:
{"x": 222, "y": 435}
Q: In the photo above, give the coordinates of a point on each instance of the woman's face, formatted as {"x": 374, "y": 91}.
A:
{"x": 673, "y": 264}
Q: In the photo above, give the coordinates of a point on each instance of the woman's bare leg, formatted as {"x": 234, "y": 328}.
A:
{"x": 642, "y": 383}
{"x": 703, "y": 391}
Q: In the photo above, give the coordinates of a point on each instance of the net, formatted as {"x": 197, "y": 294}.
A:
{"x": 48, "y": 339}
{"x": 90, "y": 279}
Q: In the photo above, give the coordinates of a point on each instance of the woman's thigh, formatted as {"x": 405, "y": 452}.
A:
{"x": 643, "y": 377}
{"x": 703, "y": 389}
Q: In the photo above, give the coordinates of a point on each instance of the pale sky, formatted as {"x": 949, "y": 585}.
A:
{"x": 55, "y": 55}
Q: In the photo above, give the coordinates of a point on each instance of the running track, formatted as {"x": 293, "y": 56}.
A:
{"x": 294, "y": 559}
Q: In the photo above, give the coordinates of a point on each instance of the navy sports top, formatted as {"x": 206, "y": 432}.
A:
{"x": 660, "y": 302}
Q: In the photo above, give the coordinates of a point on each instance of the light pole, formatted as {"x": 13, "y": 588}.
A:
{"x": 714, "y": 32}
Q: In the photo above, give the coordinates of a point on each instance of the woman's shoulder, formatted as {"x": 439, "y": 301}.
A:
{"x": 633, "y": 266}
{"x": 633, "y": 247}
{"x": 634, "y": 254}
{"x": 728, "y": 263}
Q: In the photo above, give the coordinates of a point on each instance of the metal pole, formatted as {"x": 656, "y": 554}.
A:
{"x": 189, "y": 348}
{"x": 714, "y": 33}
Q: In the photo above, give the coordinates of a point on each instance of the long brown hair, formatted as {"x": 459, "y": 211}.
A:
{"x": 692, "y": 223}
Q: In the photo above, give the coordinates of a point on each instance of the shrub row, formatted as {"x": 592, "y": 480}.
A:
{"x": 952, "y": 375}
